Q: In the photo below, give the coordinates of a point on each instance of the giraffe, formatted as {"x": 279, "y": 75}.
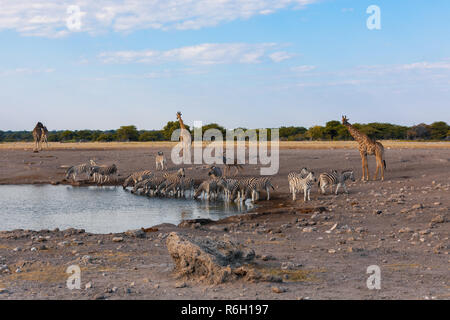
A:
{"x": 44, "y": 137}
{"x": 367, "y": 146}
{"x": 185, "y": 136}
{"x": 37, "y": 136}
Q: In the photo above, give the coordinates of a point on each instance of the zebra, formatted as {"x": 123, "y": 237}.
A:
{"x": 102, "y": 174}
{"x": 303, "y": 173}
{"x": 241, "y": 189}
{"x": 160, "y": 161}
{"x": 151, "y": 185}
{"x": 215, "y": 172}
{"x": 209, "y": 187}
{"x": 258, "y": 184}
{"x": 298, "y": 183}
{"x": 172, "y": 181}
{"x": 78, "y": 169}
{"x": 187, "y": 184}
{"x": 335, "y": 178}
{"x": 228, "y": 186}
{"x": 136, "y": 177}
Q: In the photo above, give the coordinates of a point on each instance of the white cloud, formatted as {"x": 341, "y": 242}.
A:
{"x": 25, "y": 71}
{"x": 280, "y": 56}
{"x": 304, "y": 68}
{"x": 202, "y": 54}
{"x": 48, "y": 17}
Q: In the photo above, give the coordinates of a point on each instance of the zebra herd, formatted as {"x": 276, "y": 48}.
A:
{"x": 217, "y": 186}
{"x": 99, "y": 174}
{"x": 305, "y": 179}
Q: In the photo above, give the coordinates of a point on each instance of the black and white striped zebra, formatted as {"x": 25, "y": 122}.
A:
{"x": 151, "y": 185}
{"x": 102, "y": 174}
{"x": 172, "y": 182}
{"x": 228, "y": 186}
{"x": 335, "y": 178}
{"x": 136, "y": 177}
{"x": 242, "y": 189}
{"x": 73, "y": 171}
{"x": 260, "y": 184}
{"x": 297, "y": 183}
{"x": 303, "y": 173}
{"x": 208, "y": 189}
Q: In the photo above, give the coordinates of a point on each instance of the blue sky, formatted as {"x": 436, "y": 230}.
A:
{"x": 240, "y": 63}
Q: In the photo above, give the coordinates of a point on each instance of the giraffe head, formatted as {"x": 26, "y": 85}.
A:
{"x": 345, "y": 120}
{"x": 178, "y": 115}
{"x": 39, "y": 125}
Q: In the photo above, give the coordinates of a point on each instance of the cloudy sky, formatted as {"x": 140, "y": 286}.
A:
{"x": 240, "y": 63}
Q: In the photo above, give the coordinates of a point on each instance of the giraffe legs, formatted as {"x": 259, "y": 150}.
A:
{"x": 365, "y": 167}
{"x": 380, "y": 166}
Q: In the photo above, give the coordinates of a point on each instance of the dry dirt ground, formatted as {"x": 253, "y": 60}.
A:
{"x": 400, "y": 225}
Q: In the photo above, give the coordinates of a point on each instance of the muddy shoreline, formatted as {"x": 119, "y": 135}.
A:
{"x": 316, "y": 250}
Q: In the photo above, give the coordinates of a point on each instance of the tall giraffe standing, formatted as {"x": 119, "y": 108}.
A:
{"x": 367, "y": 146}
{"x": 185, "y": 137}
{"x": 37, "y": 136}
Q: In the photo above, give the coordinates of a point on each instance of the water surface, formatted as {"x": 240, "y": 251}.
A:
{"x": 96, "y": 209}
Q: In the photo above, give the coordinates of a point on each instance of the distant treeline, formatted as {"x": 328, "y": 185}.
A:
{"x": 333, "y": 130}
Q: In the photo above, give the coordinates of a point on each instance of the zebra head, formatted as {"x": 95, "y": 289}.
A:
{"x": 312, "y": 177}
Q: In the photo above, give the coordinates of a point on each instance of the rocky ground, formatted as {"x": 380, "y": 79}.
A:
{"x": 315, "y": 250}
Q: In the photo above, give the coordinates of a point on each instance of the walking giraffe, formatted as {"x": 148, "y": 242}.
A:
{"x": 185, "y": 138}
{"x": 367, "y": 146}
{"x": 37, "y": 136}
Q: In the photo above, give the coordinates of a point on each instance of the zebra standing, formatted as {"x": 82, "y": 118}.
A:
{"x": 258, "y": 184}
{"x": 160, "y": 161}
{"x": 297, "y": 183}
{"x": 228, "y": 186}
{"x": 303, "y": 173}
{"x": 335, "y": 179}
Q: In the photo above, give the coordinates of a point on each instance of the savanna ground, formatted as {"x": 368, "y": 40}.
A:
{"x": 318, "y": 250}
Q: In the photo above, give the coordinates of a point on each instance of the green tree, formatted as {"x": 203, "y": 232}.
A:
{"x": 170, "y": 127}
{"x": 439, "y": 130}
{"x": 127, "y": 133}
{"x": 332, "y": 128}
{"x": 156, "y": 135}
{"x": 316, "y": 133}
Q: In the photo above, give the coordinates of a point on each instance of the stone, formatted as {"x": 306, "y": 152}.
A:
{"x": 417, "y": 206}
{"x": 438, "y": 219}
{"x": 278, "y": 289}
{"x": 207, "y": 259}
{"x": 117, "y": 239}
{"x": 137, "y": 233}
{"x": 88, "y": 285}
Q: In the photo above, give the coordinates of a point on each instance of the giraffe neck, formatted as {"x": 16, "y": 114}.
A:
{"x": 181, "y": 124}
{"x": 355, "y": 133}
